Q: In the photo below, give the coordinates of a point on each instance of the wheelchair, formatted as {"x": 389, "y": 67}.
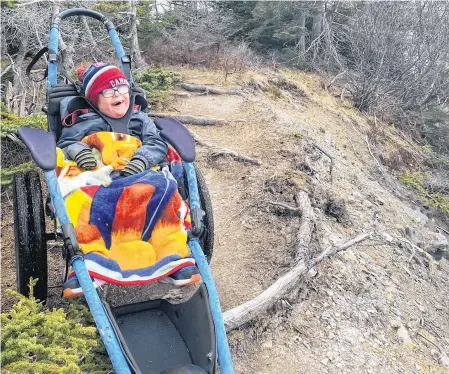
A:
{"x": 153, "y": 336}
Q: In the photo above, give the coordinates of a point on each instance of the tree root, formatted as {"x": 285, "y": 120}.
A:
{"x": 246, "y": 312}
{"x": 191, "y": 120}
{"x": 209, "y": 90}
{"x": 235, "y": 156}
{"x": 216, "y": 152}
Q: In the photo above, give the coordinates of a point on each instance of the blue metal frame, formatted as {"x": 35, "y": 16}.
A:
{"x": 104, "y": 326}
{"x": 223, "y": 351}
{"x": 95, "y": 305}
{"x": 53, "y": 43}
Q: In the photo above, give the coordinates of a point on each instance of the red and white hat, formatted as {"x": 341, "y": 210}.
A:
{"x": 98, "y": 77}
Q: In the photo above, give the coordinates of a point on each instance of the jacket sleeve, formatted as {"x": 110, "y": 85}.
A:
{"x": 70, "y": 138}
{"x": 153, "y": 148}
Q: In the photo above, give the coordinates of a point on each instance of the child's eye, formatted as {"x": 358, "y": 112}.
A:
{"x": 123, "y": 89}
{"x": 109, "y": 92}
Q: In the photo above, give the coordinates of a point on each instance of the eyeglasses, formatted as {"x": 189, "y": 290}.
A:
{"x": 110, "y": 92}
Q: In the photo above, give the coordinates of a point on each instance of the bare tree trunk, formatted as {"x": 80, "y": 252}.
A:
{"x": 21, "y": 111}
{"x": 302, "y": 38}
{"x": 9, "y": 96}
{"x": 133, "y": 40}
{"x": 56, "y": 8}
{"x": 18, "y": 85}
{"x": 156, "y": 10}
{"x": 88, "y": 31}
{"x": 317, "y": 23}
{"x": 69, "y": 50}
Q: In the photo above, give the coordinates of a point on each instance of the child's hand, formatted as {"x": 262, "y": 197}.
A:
{"x": 133, "y": 167}
{"x": 85, "y": 160}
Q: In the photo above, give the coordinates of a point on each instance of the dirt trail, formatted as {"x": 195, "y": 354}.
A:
{"x": 349, "y": 317}
{"x": 346, "y": 319}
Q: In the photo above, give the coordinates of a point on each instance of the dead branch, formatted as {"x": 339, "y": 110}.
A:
{"x": 216, "y": 152}
{"x": 246, "y": 312}
{"x": 235, "y": 156}
{"x": 209, "y": 90}
{"x": 307, "y": 225}
{"x": 440, "y": 228}
{"x": 331, "y": 167}
{"x": 371, "y": 153}
{"x": 191, "y": 120}
{"x": 5, "y": 70}
{"x": 414, "y": 248}
{"x": 286, "y": 207}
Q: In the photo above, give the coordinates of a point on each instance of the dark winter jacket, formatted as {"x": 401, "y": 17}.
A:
{"x": 153, "y": 148}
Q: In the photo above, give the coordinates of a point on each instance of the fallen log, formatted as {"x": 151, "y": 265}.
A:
{"x": 307, "y": 225}
{"x": 209, "y": 90}
{"x": 191, "y": 120}
{"x": 246, "y": 312}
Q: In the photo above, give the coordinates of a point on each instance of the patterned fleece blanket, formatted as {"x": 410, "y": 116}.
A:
{"x": 131, "y": 230}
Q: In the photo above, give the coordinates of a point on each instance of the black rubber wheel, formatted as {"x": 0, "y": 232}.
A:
{"x": 29, "y": 234}
{"x": 207, "y": 237}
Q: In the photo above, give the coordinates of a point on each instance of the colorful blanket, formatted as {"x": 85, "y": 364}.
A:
{"x": 131, "y": 230}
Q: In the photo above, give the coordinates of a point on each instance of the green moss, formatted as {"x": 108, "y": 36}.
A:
{"x": 416, "y": 180}
{"x": 36, "y": 340}
{"x": 157, "y": 83}
{"x": 11, "y": 122}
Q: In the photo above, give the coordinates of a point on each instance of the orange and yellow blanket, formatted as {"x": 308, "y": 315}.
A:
{"x": 131, "y": 230}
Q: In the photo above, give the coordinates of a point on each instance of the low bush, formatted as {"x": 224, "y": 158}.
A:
{"x": 417, "y": 180}
{"x": 156, "y": 82}
{"x": 36, "y": 340}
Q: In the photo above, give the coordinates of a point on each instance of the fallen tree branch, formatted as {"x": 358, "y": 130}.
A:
{"x": 371, "y": 153}
{"x": 415, "y": 248}
{"x": 216, "y": 152}
{"x": 307, "y": 225}
{"x": 246, "y": 312}
{"x": 331, "y": 167}
{"x": 191, "y": 120}
{"x": 209, "y": 90}
{"x": 386, "y": 177}
{"x": 444, "y": 230}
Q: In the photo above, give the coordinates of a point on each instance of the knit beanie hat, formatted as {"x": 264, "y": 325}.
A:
{"x": 98, "y": 77}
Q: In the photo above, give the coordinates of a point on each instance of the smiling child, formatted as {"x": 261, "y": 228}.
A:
{"x": 107, "y": 89}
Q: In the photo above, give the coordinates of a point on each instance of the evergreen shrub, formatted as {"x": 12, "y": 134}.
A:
{"x": 36, "y": 340}
{"x": 156, "y": 82}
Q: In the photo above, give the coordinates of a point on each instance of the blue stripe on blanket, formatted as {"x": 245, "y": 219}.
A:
{"x": 144, "y": 272}
{"x": 105, "y": 201}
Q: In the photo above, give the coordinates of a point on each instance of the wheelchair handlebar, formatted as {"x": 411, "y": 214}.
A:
{"x": 54, "y": 41}
{"x": 83, "y": 12}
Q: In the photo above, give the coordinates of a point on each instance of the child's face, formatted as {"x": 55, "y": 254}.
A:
{"x": 115, "y": 106}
